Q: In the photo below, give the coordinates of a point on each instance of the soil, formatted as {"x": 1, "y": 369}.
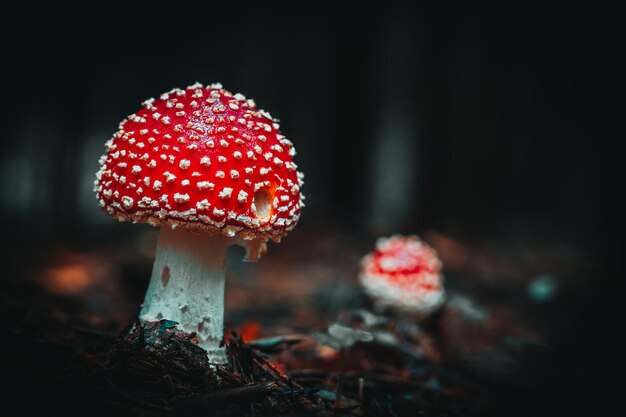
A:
{"x": 301, "y": 336}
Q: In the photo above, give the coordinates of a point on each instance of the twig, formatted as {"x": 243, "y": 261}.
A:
{"x": 245, "y": 392}
{"x": 361, "y": 386}
{"x": 262, "y": 362}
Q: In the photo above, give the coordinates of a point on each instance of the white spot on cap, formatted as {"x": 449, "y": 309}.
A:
{"x": 203, "y": 185}
{"x": 220, "y": 174}
{"x": 221, "y": 158}
{"x": 157, "y": 185}
{"x": 218, "y": 213}
{"x": 184, "y": 183}
{"x": 205, "y": 161}
{"x": 181, "y": 198}
{"x": 260, "y": 185}
{"x": 136, "y": 169}
{"x": 169, "y": 177}
{"x": 203, "y": 205}
{"x": 184, "y": 164}
{"x": 148, "y": 103}
{"x": 237, "y": 155}
{"x": 242, "y": 197}
{"x": 225, "y": 193}
{"x": 234, "y": 173}
{"x": 127, "y": 201}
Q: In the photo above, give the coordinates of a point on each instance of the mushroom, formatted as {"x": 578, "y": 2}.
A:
{"x": 211, "y": 170}
{"x": 404, "y": 273}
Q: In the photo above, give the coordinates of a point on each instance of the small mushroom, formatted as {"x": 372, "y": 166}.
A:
{"x": 211, "y": 170}
{"x": 403, "y": 273}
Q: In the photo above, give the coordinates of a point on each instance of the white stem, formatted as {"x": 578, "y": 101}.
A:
{"x": 187, "y": 286}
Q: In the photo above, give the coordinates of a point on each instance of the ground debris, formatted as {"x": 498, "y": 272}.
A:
{"x": 304, "y": 351}
{"x": 161, "y": 370}
{"x": 159, "y": 367}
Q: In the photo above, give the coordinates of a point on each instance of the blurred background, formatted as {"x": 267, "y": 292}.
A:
{"x": 479, "y": 120}
{"x": 489, "y": 130}
{"x": 494, "y": 121}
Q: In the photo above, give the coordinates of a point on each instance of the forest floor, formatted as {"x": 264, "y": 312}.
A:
{"x": 302, "y": 338}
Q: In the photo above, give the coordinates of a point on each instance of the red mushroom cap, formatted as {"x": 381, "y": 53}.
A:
{"x": 404, "y": 272}
{"x": 204, "y": 159}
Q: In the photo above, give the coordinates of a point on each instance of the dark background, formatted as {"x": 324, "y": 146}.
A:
{"x": 480, "y": 120}
{"x": 487, "y": 123}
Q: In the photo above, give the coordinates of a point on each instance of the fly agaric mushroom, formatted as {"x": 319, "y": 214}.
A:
{"x": 405, "y": 273}
{"x": 213, "y": 171}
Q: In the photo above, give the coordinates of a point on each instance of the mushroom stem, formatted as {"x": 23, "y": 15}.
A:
{"x": 187, "y": 286}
